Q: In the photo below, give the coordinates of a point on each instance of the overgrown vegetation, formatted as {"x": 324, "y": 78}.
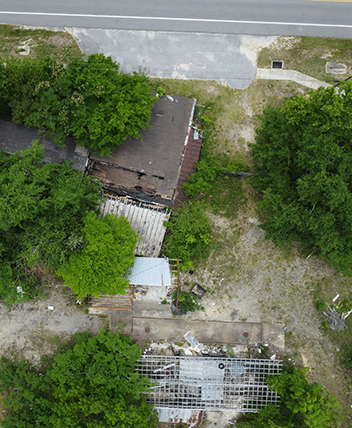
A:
{"x": 105, "y": 258}
{"x": 303, "y": 157}
{"x": 48, "y": 220}
{"x": 42, "y": 207}
{"x": 189, "y": 228}
{"x": 209, "y": 170}
{"x": 187, "y": 301}
{"x": 188, "y": 234}
{"x": 91, "y": 384}
{"x": 42, "y": 43}
{"x": 88, "y": 98}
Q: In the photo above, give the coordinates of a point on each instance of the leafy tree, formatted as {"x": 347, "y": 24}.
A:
{"x": 104, "y": 260}
{"x": 302, "y": 404}
{"x": 188, "y": 235}
{"x": 90, "y": 99}
{"x": 303, "y": 160}
{"x": 94, "y": 384}
{"x": 41, "y": 211}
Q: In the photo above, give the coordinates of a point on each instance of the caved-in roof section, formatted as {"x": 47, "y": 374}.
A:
{"x": 148, "y": 168}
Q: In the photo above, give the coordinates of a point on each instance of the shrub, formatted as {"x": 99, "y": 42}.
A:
{"x": 188, "y": 235}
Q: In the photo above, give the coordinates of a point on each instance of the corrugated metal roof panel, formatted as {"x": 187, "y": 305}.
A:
{"x": 146, "y": 219}
{"x": 206, "y": 373}
{"x": 179, "y": 416}
{"x": 150, "y": 271}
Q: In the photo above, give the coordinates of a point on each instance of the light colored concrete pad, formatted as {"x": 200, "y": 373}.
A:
{"x": 174, "y": 329}
{"x": 226, "y": 58}
{"x": 292, "y": 75}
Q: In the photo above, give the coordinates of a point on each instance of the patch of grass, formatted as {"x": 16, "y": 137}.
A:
{"x": 309, "y": 55}
{"x": 229, "y": 200}
{"x": 42, "y": 43}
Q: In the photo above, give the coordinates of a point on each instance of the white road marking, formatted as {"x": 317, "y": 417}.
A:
{"x": 160, "y": 18}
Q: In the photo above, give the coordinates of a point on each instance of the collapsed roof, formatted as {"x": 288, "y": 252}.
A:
{"x": 148, "y": 168}
{"x": 146, "y": 219}
{"x": 206, "y": 383}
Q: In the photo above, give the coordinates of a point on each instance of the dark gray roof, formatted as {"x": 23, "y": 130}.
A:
{"x": 14, "y": 137}
{"x": 148, "y": 168}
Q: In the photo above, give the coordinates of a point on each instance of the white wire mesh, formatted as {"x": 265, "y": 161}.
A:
{"x": 209, "y": 383}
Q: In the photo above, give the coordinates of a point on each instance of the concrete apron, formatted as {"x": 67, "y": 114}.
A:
{"x": 159, "y": 324}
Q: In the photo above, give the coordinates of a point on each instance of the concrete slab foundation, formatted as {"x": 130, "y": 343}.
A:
{"x": 173, "y": 329}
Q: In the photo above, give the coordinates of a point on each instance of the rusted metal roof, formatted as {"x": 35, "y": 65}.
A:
{"x": 146, "y": 219}
{"x": 179, "y": 416}
{"x": 150, "y": 271}
{"x": 148, "y": 168}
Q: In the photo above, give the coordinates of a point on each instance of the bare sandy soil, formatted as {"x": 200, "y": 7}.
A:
{"x": 248, "y": 279}
{"x": 31, "y": 329}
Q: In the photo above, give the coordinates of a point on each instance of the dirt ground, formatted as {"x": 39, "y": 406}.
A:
{"x": 31, "y": 329}
{"x": 248, "y": 279}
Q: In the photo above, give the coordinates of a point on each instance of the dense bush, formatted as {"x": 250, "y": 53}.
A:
{"x": 90, "y": 99}
{"x": 102, "y": 263}
{"x": 302, "y": 404}
{"x": 187, "y": 301}
{"x": 94, "y": 384}
{"x": 208, "y": 170}
{"x": 303, "y": 160}
{"x": 42, "y": 207}
{"x": 188, "y": 235}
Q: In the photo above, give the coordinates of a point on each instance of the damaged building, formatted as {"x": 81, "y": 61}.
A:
{"x": 15, "y": 137}
{"x": 143, "y": 178}
{"x": 187, "y": 386}
{"x": 147, "y": 169}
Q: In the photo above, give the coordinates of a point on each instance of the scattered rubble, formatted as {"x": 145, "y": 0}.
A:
{"x": 335, "y": 320}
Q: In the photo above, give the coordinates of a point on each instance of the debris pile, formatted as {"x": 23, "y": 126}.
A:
{"x": 336, "y": 320}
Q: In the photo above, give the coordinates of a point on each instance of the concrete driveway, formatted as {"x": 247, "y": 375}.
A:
{"x": 226, "y": 58}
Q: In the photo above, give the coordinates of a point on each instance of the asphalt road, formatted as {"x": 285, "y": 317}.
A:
{"x": 255, "y": 17}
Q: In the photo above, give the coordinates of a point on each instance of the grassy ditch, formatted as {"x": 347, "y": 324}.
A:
{"x": 309, "y": 55}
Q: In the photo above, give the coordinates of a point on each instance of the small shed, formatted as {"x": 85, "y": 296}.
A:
{"x": 150, "y": 271}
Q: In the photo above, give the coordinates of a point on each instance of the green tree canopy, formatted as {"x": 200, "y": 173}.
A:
{"x": 42, "y": 207}
{"x": 188, "y": 234}
{"x": 90, "y": 99}
{"x": 302, "y": 404}
{"x": 104, "y": 260}
{"x": 94, "y": 384}
{"x": 303, "y": 168}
